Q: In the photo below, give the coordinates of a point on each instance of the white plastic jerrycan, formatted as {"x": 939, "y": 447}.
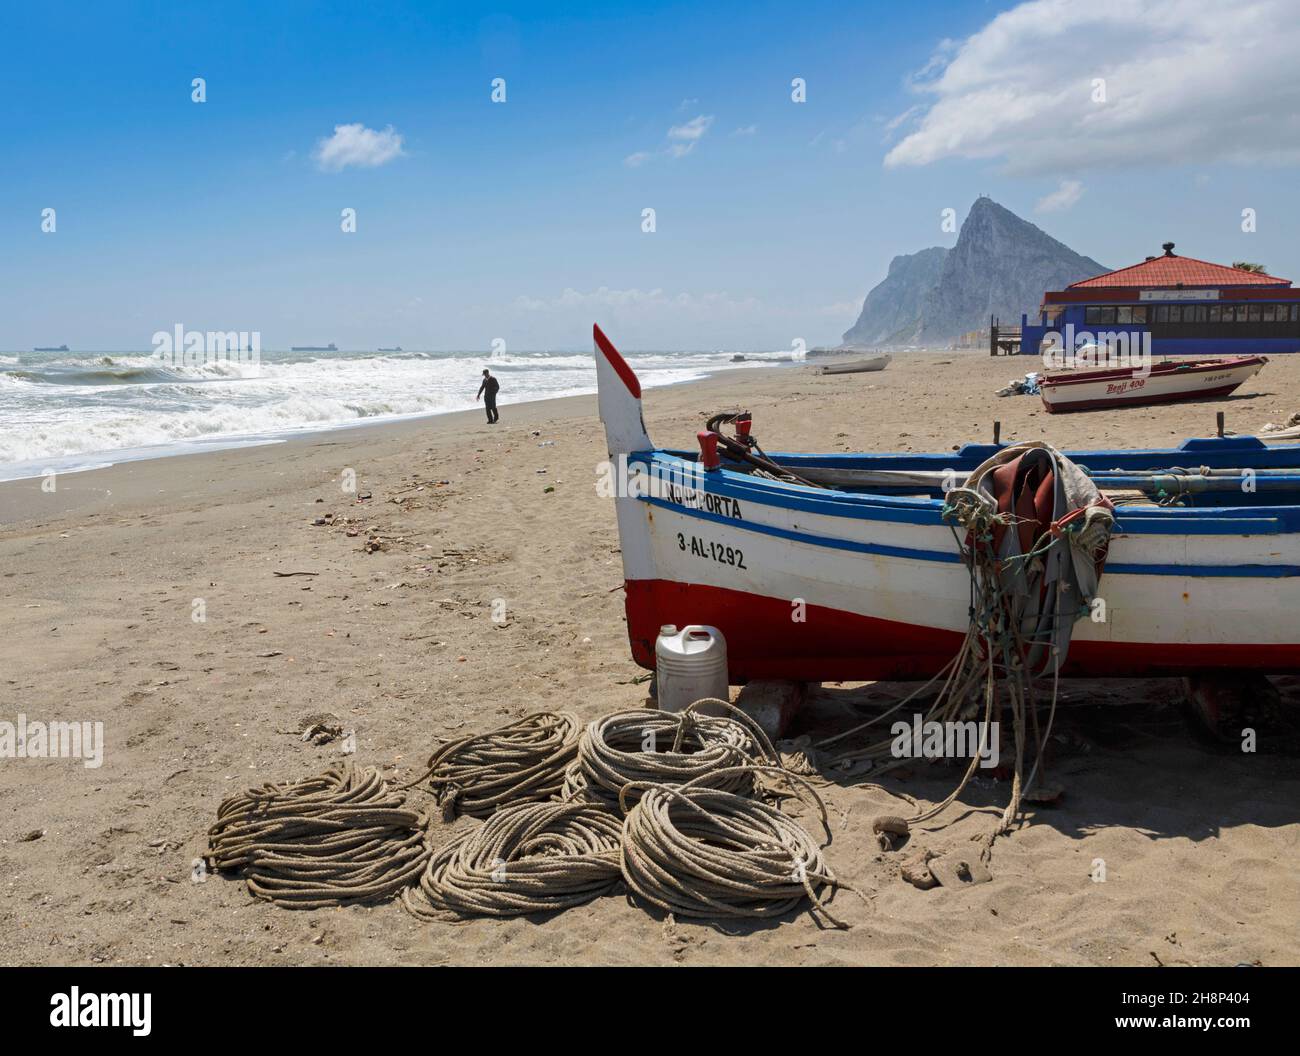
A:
{"x": 691, "y": 664}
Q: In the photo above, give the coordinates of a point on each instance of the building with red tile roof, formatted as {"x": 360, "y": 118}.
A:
{"x": 1175, "y": 306}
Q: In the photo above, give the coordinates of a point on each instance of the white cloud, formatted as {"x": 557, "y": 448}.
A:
{"x": 746, "y": 130}
{"x": 1181, "y": 85}
{"x": 681, "y": 141}
{"x": 686, "y": 136}
{"x": 359, "y": 146}
{"x": 1065, "y": 196}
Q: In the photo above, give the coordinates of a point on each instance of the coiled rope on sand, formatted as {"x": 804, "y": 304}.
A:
{"x": 642, "y": 746}
{"x": 521, "y": 761}
{"x": 529, "y": 858}
{"x": 337, "y": 838}
{"x": 700, "y": 851}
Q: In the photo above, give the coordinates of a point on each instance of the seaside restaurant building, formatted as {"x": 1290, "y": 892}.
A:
{"x": 1188, "y": 307}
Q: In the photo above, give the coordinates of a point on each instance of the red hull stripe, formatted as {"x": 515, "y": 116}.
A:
{"x": 1139, "y": 401}
{"x": 617, "y": 361}
{"x": 764, "y": 641}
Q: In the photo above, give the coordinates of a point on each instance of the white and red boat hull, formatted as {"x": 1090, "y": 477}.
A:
{"x": 1090, "y": 390}
{"x": 817, "y": 585}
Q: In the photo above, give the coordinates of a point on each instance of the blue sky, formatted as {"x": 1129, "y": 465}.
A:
{"x": 523, "y": 220}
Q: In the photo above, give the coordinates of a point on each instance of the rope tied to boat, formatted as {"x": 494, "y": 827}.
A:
{"x": 626, "y": 748}
{"x": 523, "y": 760}
{"x": 337, "y": 838}
{"x": 1034, "y": 562}
{"x": 526, "y": 858}
{"x": 699, "y": 850}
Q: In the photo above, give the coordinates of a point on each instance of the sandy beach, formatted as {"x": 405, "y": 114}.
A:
{"x": 101, "y": 580}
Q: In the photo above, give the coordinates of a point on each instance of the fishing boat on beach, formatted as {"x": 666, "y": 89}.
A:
{"x": 857, "y": 366}
{"x": 841, "y": 567}
{"x": 1132, "y": 386}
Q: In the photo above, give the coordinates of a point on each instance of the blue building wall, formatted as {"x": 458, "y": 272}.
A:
{"x": 1254, "y": 339}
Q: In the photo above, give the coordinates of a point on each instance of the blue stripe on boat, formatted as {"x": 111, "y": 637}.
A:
{"x": 1163, "y": 520}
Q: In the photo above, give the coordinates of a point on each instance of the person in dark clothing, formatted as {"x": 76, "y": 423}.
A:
{"x": 488, "y": 390}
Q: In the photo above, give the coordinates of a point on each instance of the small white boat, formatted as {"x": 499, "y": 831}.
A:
{"x": 1166, "y": 382}
{"x": 858, "y": 366}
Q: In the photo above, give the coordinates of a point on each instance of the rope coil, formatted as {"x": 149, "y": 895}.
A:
{"x": 337, "y": 838}
{"x": 522, "y": 761}
{"x": 656, "y": 747}
{"x": 701, "y": 851}
{"x": 530, "y": 858}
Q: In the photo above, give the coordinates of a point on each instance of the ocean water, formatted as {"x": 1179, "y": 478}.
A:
{"x": 68, "y": 410}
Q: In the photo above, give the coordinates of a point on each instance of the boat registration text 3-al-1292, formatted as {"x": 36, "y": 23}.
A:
{"x": 707, "y": 550}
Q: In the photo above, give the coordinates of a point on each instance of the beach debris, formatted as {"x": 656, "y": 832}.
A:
{"x": 889, "y": 830}
{"x": 959, "y": 870}
{"x": 271, "y": 652}
{"x": 1272, "y": 427}
{"x": 915, "y": 869}
{"x": 320, "y": 728}
{"x": 286, "y": 575}
{"x": 32, "y": 836}
{"x": 1027, "y": 386}
{"x": 798, "y": 755}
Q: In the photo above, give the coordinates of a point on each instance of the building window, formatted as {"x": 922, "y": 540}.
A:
{"x": 1162, "y": 313}
{"x": 1198, "y": 313}
{"x": 1295, "y": 313}
{"x": 1094, "y": 315}
{"x": 1216, "y": 314}
{"x": 1131, "y": 313}
{"x": 1175, "y": 313}
{"x": 1253, "y": 313}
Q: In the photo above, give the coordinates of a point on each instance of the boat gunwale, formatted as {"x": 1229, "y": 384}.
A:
{"x": 1280, "y": 519}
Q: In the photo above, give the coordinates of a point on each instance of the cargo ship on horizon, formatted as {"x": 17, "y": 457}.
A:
{"x": 331, "y": 347}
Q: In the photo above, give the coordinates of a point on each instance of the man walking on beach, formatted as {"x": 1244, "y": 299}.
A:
{"x": 488, "y": 390}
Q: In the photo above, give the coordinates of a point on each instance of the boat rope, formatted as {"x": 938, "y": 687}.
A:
{"x": 341, "y": 837}
{"x": 527, "y": 858}
{"x": 638, "y": 746}
{"x": 998, "y": 652}
{"x": 522, "y": 760}
{"x": 698, "y": 850}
